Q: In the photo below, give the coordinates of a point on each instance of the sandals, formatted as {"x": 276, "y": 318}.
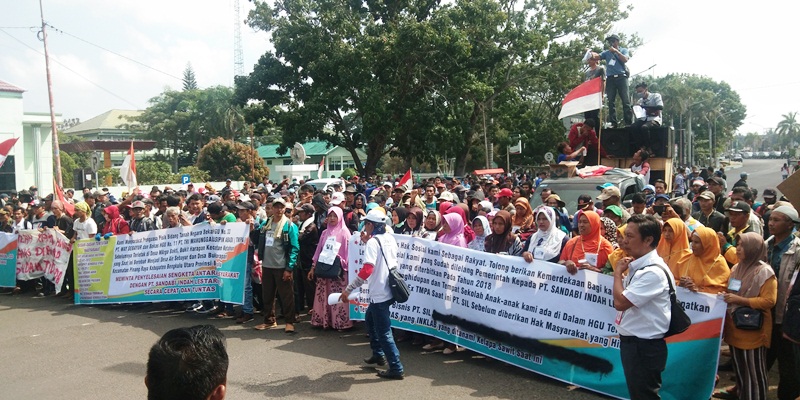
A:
{"x": 729, "y": 393}
{"x": 263, "y": 327}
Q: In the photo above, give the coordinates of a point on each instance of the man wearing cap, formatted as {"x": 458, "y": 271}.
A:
{"x": 708, "y": 215}
{"x": 739, "y": 216}
{"x": 617, "y": 80}
{"x": 380, "y": 254}
{"x": 308, "y": 238}
{"x": 746, "y": 195}
{"x": 337, "y": 200}
{"x": 41, "y": 218}
{"x": 717, "y": 187}
{"x": 742, "y": 180}
{"x": 277, "y": 250}
{"x": 784, "y": 256}
{"x": 5, "y": 221}
{"x": 101, "y": 202}
{"x": 139, "y": 221}
{"x": 504, "y": 200}
{"x": 770, "y": 197}
{"x": 612, "y": 196}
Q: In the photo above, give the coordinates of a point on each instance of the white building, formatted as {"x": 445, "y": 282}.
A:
{"x": 336, "y": 160}
{"x": 30, "y": 161}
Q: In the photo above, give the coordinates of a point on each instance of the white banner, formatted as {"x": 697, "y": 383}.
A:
{"x": 43, "y": 254}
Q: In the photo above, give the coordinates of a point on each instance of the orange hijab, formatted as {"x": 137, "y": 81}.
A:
{"x": 591, "y": 242}
{"x": 708, "y": 270}
{"x": 674, "y": 251}
{"x": 524, "y": 221}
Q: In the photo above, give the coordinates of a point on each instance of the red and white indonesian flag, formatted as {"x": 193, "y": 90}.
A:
{"x": 5, "y": 148}
{"x": 128, "y": 169}
{"x": 321, "y": 169}
{"x": 407, "y": 181}
{"x": 586, "y": 97}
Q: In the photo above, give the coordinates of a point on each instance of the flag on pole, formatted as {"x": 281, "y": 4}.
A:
{"x": 407, "y": 180}
{"x": 5, "y": 148}
{"x": 69, "y": 208}
{"x": 321, "y": 169}
{"x": 585, "y": 97}
{"x": 128, "y": 170}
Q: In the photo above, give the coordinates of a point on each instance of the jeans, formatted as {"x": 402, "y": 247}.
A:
{"x": 381, "y": 340}
{"x": 247, "y": 306}
{"x": 618, "y": 86}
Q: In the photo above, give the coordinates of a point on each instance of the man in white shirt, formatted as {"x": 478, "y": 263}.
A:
{"x": 643, "y": 304}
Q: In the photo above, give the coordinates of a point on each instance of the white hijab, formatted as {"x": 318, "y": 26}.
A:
{"x": 479, "y": 242}
{"x": 550, "y": 239}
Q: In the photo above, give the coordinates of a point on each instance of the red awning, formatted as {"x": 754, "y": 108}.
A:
{"x": 489, "y": 171}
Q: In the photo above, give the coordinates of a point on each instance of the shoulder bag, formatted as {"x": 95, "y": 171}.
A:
{"x": 329, "y": 271}
{"x": 397, "y": 285}
{"x": 747, "y": 318}
{"x": 679, "y": 321}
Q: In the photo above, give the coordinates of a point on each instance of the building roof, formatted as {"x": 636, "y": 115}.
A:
{"x": 108, "y": 121}
{"x": 7, "y": 87}
{"x": 312, "y": 149}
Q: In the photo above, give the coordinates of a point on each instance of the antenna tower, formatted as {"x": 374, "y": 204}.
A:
{"x": 238, "y": 59}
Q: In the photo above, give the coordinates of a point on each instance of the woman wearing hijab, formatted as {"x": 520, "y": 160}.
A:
{"x": 114, "y": 224}
{"x": 336, "y": 235}
{"x": 524, "y": 224}
{"x": 704, "y": 269}
{"x": 414, "y": 221}
{"x": 353, "y": 218}
{"x": 433, "y": 222}
{"x": 752, "y": 284}
{"x": 609, "y": 231}
{"x": 589, "y": 250}
{"x": 399, "y": 216}
{"x": 453, "y": 230}
{"x": 503, "y": 240}
{"x": 480, "y": 225}
{"x": 548, "y": 241}
{"x": 461, "y": 210}
{"x": 674, "y": 244}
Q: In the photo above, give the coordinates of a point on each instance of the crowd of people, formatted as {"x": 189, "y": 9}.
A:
{"x": 712, "y": 239}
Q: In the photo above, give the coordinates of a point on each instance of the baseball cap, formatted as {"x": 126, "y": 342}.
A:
{"x": 350, "y": 189}
{"x": 699, "y": 182}
{"x": 708, "y": 195}
{"x": 137, "y": 204}
{"x": 505, "y": 192}
{"x": 279, "y": 200}
{"x": 651, "y": 188}
{"x": 609, "y": 192}
{"x": 307, "y": 208}
{"x": 337, "y": 198}
{"x": 213, "y": 198}
{"x": 770, "y": 193}
{"x": 739, "y": 206}
{"x": 788, "y": 211}
{"x": 716, "y": 180}
{"x": 614, "y": 209}
{"x": 662, "y": 196}
{"x": 246, "y": 205}
{"x": 612, "y": 37}
{"x": 605, "y": 185}
{"x": 557, "y": 198}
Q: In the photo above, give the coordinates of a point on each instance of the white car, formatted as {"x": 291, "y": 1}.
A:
{"x": 324, "y": 183}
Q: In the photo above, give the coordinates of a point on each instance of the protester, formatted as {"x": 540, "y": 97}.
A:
{"x": 399, "y": 216}
{"x": 380, "y": 254}
{"x": 643, "y": 303}
{"x": 188, "y": 363}
{"x": 114, "y": 224}
{"x": 333, "y": 244}
{"x": 453, "y": 230}
{"x": 502, "y": 240}
{"x": 523, "y": 218}
{"x": 433, "y": 223}
{"x": 548, "y": 241}
{"x": 674, "y": 244}
{"x": 704, "y": 269}
{"x": 588, "y": 250}
{"x": 308, "y": 239}
{"x": 753, "y": 284}
{"x": 480, "y": 225}
{"x": 413, "y": 223}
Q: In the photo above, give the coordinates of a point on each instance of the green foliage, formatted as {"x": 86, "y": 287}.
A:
{"x": 789, "y": 129}
{"x": 196, "y": 174}
{"x": 68, "y": 167}
{"x": 348, "y": 173}
{"x": 225, "y": 159}
{"x": 189, "y": 81}
{"x": 112, "y": 172}
{"x": 419, "y": 79}
{"x": 153, "y": 173}
{"x": 184, "y": 121}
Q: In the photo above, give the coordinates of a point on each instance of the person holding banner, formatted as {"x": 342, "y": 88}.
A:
{"x": 114, "y": 224}
{"x": 414, "y": 221}
{"x": 588, "y": 250}
{"x": 674, "y": 244}
{"x": 380, "y": 254}
{"x": 644, "y": 310}
{"x": 503, "y": 240}
{"x": 333, "y": 245}
{"x": 752, "y": 284}
{"x": 704, "y": 269}
{"x": 481, "y": 227}
{"x": 548, "y": 241}
{"x": 433, "y": 223}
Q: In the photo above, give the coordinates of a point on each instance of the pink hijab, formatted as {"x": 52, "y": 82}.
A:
{"x": 456, "y": 235}
{"x": 469, "y": 234}
{"x": 339, "y": 232}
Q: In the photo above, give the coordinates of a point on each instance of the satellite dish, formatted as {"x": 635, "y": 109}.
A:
{"x": 298, "y": 154}
{"x": 548, "y": 156}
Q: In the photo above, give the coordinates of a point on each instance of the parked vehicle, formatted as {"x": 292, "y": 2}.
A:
{"x": 568, "y": 189}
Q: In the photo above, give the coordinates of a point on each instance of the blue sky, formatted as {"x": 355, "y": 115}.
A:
{"x": 750, "y": 45}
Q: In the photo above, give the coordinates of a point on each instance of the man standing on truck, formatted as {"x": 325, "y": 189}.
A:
{"x": 617, "y": 80}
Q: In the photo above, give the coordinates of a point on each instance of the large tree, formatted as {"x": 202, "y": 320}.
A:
{"x": 415, "y": 78}
{"x": 788, "y": 128}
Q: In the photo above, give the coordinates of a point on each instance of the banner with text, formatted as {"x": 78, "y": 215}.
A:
{"x": 8, "y": 259}
{"x": 198, "y": 262}
{"x": 539, "y": 317}
{"x": 43, "y": 254}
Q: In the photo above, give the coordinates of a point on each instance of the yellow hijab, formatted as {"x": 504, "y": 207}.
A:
{"x": 673, "y": 251}
{"x": 708, "y": 270}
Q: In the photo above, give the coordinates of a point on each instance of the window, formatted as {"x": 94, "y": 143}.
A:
{"x": 7, "y": 177}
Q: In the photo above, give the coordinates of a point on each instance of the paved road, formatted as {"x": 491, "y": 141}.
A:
{"x": 55, "y": 350}
{"x": 762, "y": 174}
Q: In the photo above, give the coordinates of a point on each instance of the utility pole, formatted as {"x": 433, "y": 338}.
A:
{"x": 53, "y": 127}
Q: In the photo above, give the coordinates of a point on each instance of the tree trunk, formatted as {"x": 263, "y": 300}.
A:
{"x": 468, "y": 137}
